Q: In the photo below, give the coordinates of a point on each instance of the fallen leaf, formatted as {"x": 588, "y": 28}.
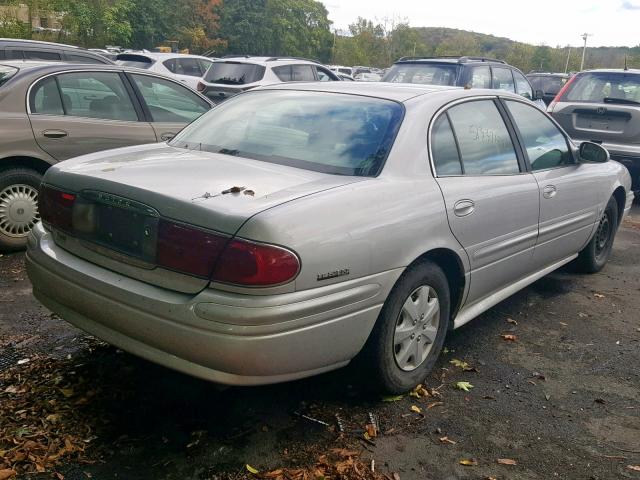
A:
{"x": 512, "y": 321}
{"x": 464, "y": 386}
{"x": 416, "y": 409}
{"x": 59, "y": 476}
{"x": 547, "y": 396}
{"x": 251, "y": 469}
{"x": 509, "y": 337}
{"x": 434, "y": 404}
{"x": 371, "y": 430}
{"x": 459, "y": 363}
{"x": 506, "y": 461}
{"x": 491, "y": 478}
{"x": 469, "y": 462}
{"x": 67, "y": 392}
{"x": 392, "y": 398}
{"x": 447, "y": 440}
{"x": 598, "y": 295}
{"x": 635, "y": 468}
{"x": 7, "y": 473}
{"x": 396, "y": 476}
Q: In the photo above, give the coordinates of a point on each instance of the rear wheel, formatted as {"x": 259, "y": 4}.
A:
{"x": 410, "y": 331}
{"x": 595, "y": 255}
{"x": 18, "y": 206}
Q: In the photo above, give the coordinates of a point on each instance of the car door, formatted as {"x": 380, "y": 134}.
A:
{"x": 168, "y": 105}
{"x": 491, "y": 201}
{"x": 83, "y": 112}
{"x": 570, "y": 194}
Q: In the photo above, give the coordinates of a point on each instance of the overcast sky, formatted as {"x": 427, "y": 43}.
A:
{"x": 559, "y": 22}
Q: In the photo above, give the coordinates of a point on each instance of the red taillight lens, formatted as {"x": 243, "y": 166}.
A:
{"x": 255, "y": 264}
{"x": 187, "y": 249}
{"x": 55, "y": 207}
{"x": 200, "y": 87}
{"x": 559, "y": 95}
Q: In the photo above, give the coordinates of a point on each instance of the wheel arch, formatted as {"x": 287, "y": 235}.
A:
{"x": 452, "y": 266}
{"x": 24, "y": 161}
{"x": 620, "y": 195}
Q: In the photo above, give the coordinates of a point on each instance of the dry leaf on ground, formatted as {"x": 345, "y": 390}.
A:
{"x": 635, "y": 468}
{"x": 509, "y": 337}
{"x": 464, "y": 386}
{"x": 416, "y": 409}
{"x": 447, "y": 440}
{"x": 251, "y": 469}
{"x": 468, "y": 462}
{"x": 506, "y": 461}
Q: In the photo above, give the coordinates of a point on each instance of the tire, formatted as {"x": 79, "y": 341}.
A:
{"x": 18, "y": 206}
{"x": 595, "y": 255}
{"x": 386, "y": 359}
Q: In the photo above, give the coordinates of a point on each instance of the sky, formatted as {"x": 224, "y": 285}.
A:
{"x": 548, "y": 22}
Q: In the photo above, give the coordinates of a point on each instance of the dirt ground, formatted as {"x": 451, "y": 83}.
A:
{"x": 562, "y": 400}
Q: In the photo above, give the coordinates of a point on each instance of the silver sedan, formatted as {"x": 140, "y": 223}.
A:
{"x": 295, "y": 228}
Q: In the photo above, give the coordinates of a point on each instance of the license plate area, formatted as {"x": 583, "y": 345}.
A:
{"x": 118, "y": 224}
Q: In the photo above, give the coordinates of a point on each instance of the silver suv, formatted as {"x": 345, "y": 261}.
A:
{"x": 232, "y": 75}
{"x": 603, "y": 106}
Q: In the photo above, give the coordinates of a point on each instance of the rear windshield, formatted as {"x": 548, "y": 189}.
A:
{"x": 137, "y": 61}
{"x": 604, "y": 87}
{"x": 423, "y": 73}
{"x": 234, "y": 73}
{"x": 324, "y": 132}
{"x": 6, "y": 72}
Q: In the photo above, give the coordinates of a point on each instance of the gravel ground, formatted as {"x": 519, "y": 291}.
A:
{"x": 562, "y": 401}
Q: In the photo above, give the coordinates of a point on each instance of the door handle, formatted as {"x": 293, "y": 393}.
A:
{"x": 465, "y": 207}
{"x": 167, "y": 136}
{"x": 549, "y": 191}
{"x": 55, "y": 133}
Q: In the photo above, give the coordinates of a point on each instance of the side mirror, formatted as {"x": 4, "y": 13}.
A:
{"x": 538, "y": 95}
{"x": 593, "y": 153}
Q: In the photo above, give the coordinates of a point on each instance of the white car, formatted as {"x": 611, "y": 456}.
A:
{"x": 188, "y": 69}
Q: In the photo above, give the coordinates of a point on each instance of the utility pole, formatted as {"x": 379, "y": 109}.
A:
{"x": 566, "y": 67}
{"x": 584, "y": 48}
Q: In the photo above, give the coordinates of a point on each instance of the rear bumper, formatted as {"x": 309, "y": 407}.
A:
{"x": 223, "y": 337}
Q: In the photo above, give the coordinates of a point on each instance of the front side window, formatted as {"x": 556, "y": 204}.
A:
{"x": 422, "y": 73}
{"x": 45, "y": 98}
{"x": 443, "y": 148}
{"x": 522, "y": 85}
{"x": 545, "y": 144}
{"x": 96, "y": 95}
{"x": 484, "y": 141}
{"x": 502, "y": 79}
{"x": 480, "y": 77}
{"x": 326, "y": 132}
{"x": 168, "y": 101}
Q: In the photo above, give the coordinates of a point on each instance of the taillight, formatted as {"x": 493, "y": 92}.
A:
{"x": 559, "y": 95}
{"x": 55, "y": 207}
{"x": 187, "y": 249}
{"x": 255, "y": 264}
{"x": 200, "y": 87}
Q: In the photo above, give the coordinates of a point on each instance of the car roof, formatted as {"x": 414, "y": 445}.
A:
{"x": 39, "y": 42}
{"x": 613, "y": 70}
{"x": 266, "y": 60}
{"x": 547, "y": 74}
{"x": 164, "y": 55}
{"x": 457, "y": 60}
{"x": 399, "y": 92}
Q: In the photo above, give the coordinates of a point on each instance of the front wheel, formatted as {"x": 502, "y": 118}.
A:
{"x": 595, "y": 255}
{"x": 410, "y": 331}
{"x": 18, "y": 206}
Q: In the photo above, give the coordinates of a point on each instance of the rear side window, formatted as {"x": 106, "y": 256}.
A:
{"x": 6, "y": 72}
{"x": 72, "y": 57}
{"x": 423, "y": 73}
{"x": 522, "y": 85}
{"x": 480, "y": 77}
{"x": 443, "y": 148}
{"x": 234, "y": 73}
{"x": 604, "y": 87}
{"x": 189, "y": 66}
{"x": 502, "y": 79}
{"x": 45, "y": 98}
{"x": 483, "y": 139}
{"x": 295, "y": 73}
{"x": 96, "y": 95}
{"x": 332, "y": 133}
{"x": 41, "y": 55}
{"x": 546, "y": 146}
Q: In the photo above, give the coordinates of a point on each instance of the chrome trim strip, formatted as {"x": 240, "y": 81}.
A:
{"x": 470, "y": 312}
{"x": 550, "y": 229}
{"x": 505, "y": 244}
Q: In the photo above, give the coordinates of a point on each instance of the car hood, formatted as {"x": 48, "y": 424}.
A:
{"x": 194, "y": 187}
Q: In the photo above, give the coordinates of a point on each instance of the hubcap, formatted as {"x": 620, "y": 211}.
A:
{"x": 18, "y": 210}
{"x": 603, "y": 233}
{"x": 416, "y": 328}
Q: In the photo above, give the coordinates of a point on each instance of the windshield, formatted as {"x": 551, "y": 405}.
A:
{"x": 604, "y": 87}
{"x": 325, "y": 132}
{"x": 423, "y": 73}
{"x": 234, "y": 73}
{"x": 6, "y": 72}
